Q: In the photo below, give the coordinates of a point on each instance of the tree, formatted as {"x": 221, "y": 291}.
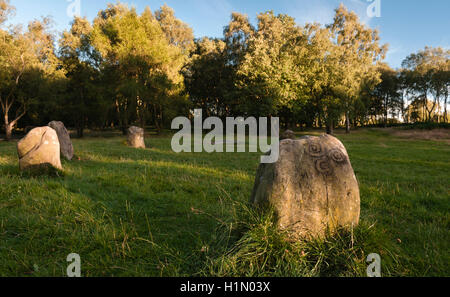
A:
{"x": 137, "y": 53}
{"x": 30, "y": 53}
{"x": 388, "y": 92}
{"x": 6, "y": 10}
{"x": 358, "y": 51}
{"x": 266, "y": 76}
{"x": 80, "y": 61}
{"x": 207, "y": 77}
{"x": 427, "y": 74}
{"x": 236, "y": 36}
{"x": 177, "y": 32}
{"x": 286, "y": 68}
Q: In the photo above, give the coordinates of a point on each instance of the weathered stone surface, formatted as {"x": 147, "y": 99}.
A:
{"x": 288, "y": 134}
{"x": 312, "y": 187}
{"x": 64, "y": 139}
{"x": 39, "y": 148}
{"x": 136, "y": 137}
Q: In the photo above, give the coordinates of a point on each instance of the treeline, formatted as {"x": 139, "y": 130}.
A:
{"x": 145, "y": 69}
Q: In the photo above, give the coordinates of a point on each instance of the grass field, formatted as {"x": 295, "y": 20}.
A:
{"x": 152, "y": 212}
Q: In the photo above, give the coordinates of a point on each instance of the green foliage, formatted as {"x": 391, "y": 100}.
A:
{"x": 145, "y": 58}
{"x": 126, "y": 68}
{"x": 177, "y": 32}
{"x": 425, "y": 74}
{"x": 387, "y": 96}
{"x": 5, "y": 10}
{"x": 280, "y": 68}
{"x": 207, "y": 77}
{"x": 27, "y": 59}
{"x": 84, "y": 102}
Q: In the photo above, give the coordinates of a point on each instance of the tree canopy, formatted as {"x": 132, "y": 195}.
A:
{"x": 126, "y": 67}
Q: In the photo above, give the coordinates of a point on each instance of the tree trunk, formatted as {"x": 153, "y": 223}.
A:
{"x": 347, "y": 123}
{"x": 124, "y": 125}
{"x": 8, "y": 127}
{"x": 142, "y": 118}
{"x": 354, "y": 123}
{"x": 8, "y": 132}
{"x": 6, "y": 105}
{"x": 157, "y": 126}
{"x": 80, "y": 127}
{"x": 124, "y": 118}
{"x": 80, "y": 132}
{"x": 445, "y": 111}
{"x": 386, "y": 112}
{"x": 157, "y": 114}
{"x": 330, "y": 127}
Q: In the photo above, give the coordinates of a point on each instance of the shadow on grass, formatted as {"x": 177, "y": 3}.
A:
{"x": 38, "y": 171}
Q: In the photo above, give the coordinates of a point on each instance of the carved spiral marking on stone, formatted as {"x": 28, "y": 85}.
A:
{"x": 316, "y": 150}
{"x": 323, "y": 166}
{"x": 338, "y": 156}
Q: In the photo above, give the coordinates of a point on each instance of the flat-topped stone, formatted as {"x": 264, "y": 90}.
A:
{"x": 39, "y": 148}
{"x": 136, "y": 137}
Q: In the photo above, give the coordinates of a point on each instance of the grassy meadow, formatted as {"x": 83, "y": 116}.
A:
{"x": 153, "y": 212}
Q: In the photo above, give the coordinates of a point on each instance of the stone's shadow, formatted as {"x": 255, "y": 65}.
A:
{"x": 10, "y": 170}
{"x": 44, "y": 171}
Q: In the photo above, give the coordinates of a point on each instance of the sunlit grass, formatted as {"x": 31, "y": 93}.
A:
{"x": 156, "y": 213}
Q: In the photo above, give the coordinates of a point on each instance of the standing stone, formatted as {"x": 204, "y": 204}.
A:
{"x": 39, "y": 148}
{"x": 312, "y": 187}
{"x": 288, "y": 134}
{"x": 64, "y": 139}
{"x": 136, "y": 137}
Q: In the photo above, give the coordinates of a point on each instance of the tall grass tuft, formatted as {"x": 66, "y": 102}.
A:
{"x": 257, "y": 248}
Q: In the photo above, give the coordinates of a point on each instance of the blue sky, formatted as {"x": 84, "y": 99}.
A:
{"x": 407, "y": 25}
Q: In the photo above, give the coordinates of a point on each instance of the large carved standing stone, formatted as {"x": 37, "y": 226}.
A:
{"x": 39, "y": 148}
{"x": 312, "y": 187}
{"x": 64, "y": 139}
{"x": 136, "y": 137}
